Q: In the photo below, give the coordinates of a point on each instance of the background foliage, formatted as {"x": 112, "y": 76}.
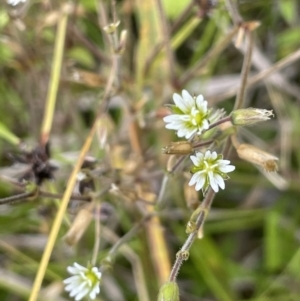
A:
{"x": 250, "y": 249}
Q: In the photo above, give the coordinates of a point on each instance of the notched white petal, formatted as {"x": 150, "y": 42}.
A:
{"x": 188, "y": 99}
{"x": 200, "y": 182}
{"x": 227, "y": 168}
{"x": 179, "y": 102}
{"x": 196, "y": 160}
{"x": 219, "y": 181}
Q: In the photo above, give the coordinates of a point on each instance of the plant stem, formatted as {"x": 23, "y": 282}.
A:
{"x": 223, "y": 120}
{"x": 245, "y": 72}
{"x": 182, "y": 255}
{"x": 55, "y": 77}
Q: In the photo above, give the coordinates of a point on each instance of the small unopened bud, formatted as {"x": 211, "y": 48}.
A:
{"x": 111, "y": 28}
{"x": 250, "y": 116}
{"x": 178, "y": 148}
{"x": 169, "y": 292}
{"x": 80, "y": 224}
{"x": 190, "y": 227}
{"x": 122, "y": 43}
{"x": 257, "y": 156}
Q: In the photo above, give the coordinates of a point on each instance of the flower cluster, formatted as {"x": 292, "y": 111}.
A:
{"x": 190, "y": 116}
{"x": 209, "y": 169}
{"x": 83, "y": 282}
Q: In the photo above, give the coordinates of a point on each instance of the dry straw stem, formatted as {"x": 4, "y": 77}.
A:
{"x": 59, "y": 217}
{"x": 55, "y": 74}
{"x": 244, "y": 74}
{"x": 157, "y": 244}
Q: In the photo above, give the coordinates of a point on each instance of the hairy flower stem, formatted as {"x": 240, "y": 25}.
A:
{"x": 201, "y": 144}
{"x": 16, "y": 198}
{"x": 183, "y": 254}
{"x": 165, "y": 181}
{"x": 223, "y": 120}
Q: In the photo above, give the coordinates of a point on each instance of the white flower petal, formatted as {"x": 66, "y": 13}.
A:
{"x": 180, "y": 103}
{"x": 188, "y": 99}
{"x": 226, "y": 168}
{"x": 194, "y": 179}
{"x": 207, "y": 155}
{"x": 224, "y": 162}
{"x": 94, "y": 292}
{"x": 196, "y": 160}
{"x": 72, "y": 279}
{"x": 213, "y": 182}
{"x": 200, "y": 182}
{"x": 214, "y": 156}
{"x": 219, "y": 180}
{"x": 190, "y": 133}
{"x": 171, "y": 118}
{"x": 83, "y": 293}
{"x": 205, "y": 124}
{"x": 199, "y": 100}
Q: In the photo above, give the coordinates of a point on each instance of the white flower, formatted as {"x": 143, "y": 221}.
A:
{"x": 15, "y": 2}
{"x": 210, "y": 169}
{"x": 84, "y": 282}
{"x": 190, "y": 115}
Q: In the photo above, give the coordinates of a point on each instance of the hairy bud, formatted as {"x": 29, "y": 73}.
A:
{"x": 169, "y": 292}
{"x": 178, "y": 148}
{"x": 250, "y": 116}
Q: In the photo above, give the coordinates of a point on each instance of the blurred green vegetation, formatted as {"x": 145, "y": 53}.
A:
{"x": 251, "y": 244}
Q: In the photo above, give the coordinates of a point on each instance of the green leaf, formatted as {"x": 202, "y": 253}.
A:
{"x": 7, "y": 135}
{"x": 288, "y": 9}
{"x": 174, "y": 8}
{"x": 82, "y": 56}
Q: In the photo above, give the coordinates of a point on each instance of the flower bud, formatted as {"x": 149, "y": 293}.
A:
{"x": 169, "y": 292}
{"x": 122, "y": 43}
{"x": 111, "y": 28}
{"x": 258, "y": 157}
{"x": 178, "y": 148}
{"x": 250, "y": 116}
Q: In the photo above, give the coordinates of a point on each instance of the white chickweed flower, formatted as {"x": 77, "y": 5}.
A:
{"x": 15, "y": 2}
{"x": 190, "y": 115}
{"x": 209, "y": 169}
{"x": 84, "y": 282}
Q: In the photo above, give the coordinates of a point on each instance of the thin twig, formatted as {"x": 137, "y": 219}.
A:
{"x": 55, "y": 76}
{"x": 182, "y": 255}
{"x": 89, "y": 45}
{"x": 16, "y": 198}
{"x": 97, "y": 234}
{"x": 233, "y": 12}
{"x": 244, "y": 74}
